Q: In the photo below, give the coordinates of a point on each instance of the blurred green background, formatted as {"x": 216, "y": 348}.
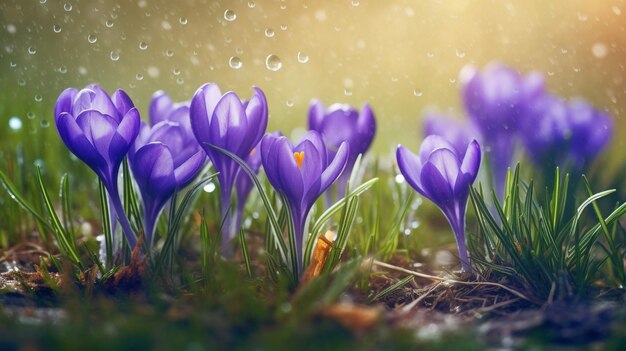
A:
{"x": 400, "y": 56}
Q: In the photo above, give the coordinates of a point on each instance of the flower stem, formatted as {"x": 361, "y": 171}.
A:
{"x": 116, "y": 202}
{"x": 457, "y": 222}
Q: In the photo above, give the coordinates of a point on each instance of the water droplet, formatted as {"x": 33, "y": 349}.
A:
{"x": 563, "y": 51}
{"x": 143, "y": 45}
{"x": 176, "y": 71}
{"x": 153, "y": 72}
{"x": 599, "y": 50}
{"x": 30, "y": 115}
{"x": 347, "y": 92}
{"x": 289, "y": 103}
{"x": 582, "y": 16}
{"x": 11, "y": 29}
{"x": 67, "y": 7}
{"x": 273, "y": 62}
{"x": 251, "y": 4}
{"x": 452, "y": 80}
{"x": 82, "y": 70}
{"x": 109, "y": 23}
{"x": 180, "y": 81}
{"x": 283, "y": 7}
{"x": 235, "y": 62}
{"x": 56, "y": 28}
{"x": 183, "y": 20}
{"x": 302, "y": 57}
{"x": 283, "y": 27}
{"x": 210, "y": 187}
{"x": 230, "y": 15}
{"x": 38, "y": 98}
{"x": 12, "y": 64}
{"x": 44, "y": 123}
{"x": 21, "y": 82}
{"x": 269, "y": 32}
{"x": 418, "y": 92}
{"x": 15, "y": 123}
{"x": 42, "y": 1}
{"x": 355, "y": 3}
{"x": 169, "y": 53}
{"x": 577, "y": 69}
{"x": 430, "y": 54}
{"x": 166, "y": 25}
{"x": 115, "y": 55}
{"x": 63, "y": 69}
{"x": 550, "y": 73}
{"x": 92, "y": 38}
{"x": 399, "y": 178}
{"x": 394, "y": 79}
{"x": 460, "y": 53}
{"x": 239, "y": 51}
{"x": 139, "y": 76}
{"x": 32, "y": 50}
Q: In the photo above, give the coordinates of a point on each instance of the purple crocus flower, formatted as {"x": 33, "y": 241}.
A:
{"x": 496, "y": 100}
{"x": 343, "y": 123}
{"x": 590, "y": 129}
{"x": 232, "y": 124}
{"x": 99, "y": 130}
{"x": 456, "y": 132}
{"x": 561, "y": 133}
{"x": 301, "y": 173}
{"x": 441, "y": 175}
{"x": 164, "y": 157}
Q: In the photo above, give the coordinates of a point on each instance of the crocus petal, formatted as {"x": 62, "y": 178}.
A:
{"x": 432, "y": 143}
{"x": 316, "y": 139}
{"x": 311, "y": 167}
{"x": 76, "y": 141}
{"x": 366, "y": 126}
{"x": 122, "y": 102}
{"x": 190, "y": 168}
{"x": 439, "y": 190}
{"x": 129, "y": 126}
{"x": 160, "y": 106}
{"x": 447, "y": 162}
{"x": 201, "y": 111}
{"x": 229, "y": 124}
{"x": 316, "y": 115}
{"x": 101, "y": 101}
{"x": 411, "y": 168}
{"x": 471, "y": 161}
{"x": 64, "y": 102}
{"x": 98, "y": 128}
{"x": 269, "y": 158}
{"x": 256, "y": 110}
{"x": 153, "y": 169}
{"x": 287, "y": 170}
{"x": 335, "y": 167}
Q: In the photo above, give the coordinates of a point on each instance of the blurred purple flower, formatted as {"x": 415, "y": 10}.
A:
{"x": 301, "y": 173}
{"x": 341, "y": 123}
{"x": 232, "y": 124}
{"x": 590, "y": 132}
{"x": 164, "y": 158}
{"x": 560, "y": 133}
{"x": 441, "y": 175}
{"x": 99, "y": 130}
{"x": 496, "y": 100}
{"x": 456, "y": 132}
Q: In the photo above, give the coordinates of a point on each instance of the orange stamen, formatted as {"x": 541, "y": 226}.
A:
{"x": 299, "y": 156}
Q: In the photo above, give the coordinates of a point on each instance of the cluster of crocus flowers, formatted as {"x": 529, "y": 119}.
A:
{"x": 496, "y": 99}
{"x": 568, "y": 134}
{"x": 300, "y": 174}
{"x": 100, "y": 129}
{"x": 164, "y": 158}
{"x": 341, "y": 123}
{"x": 225, "y": 121}
{"x": 443, "y": 175}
